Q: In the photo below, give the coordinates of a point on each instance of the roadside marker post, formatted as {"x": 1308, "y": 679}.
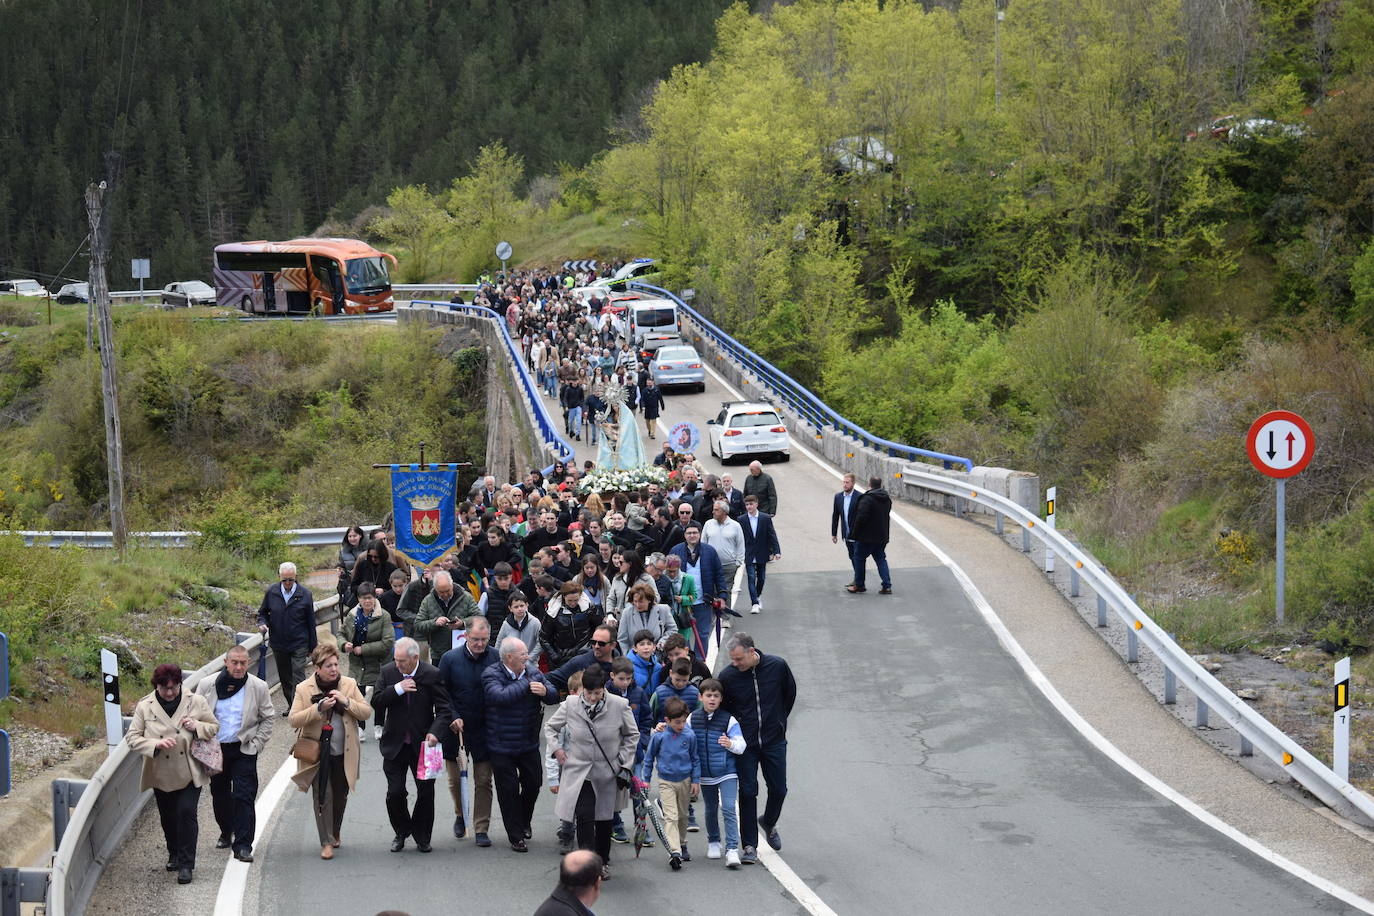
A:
{"x": 114, "y": 719}
{"x": 1049, "y": 523}
{"x": 1280, "y": 445}
{"x": 4, "y": 735}
{"x": 1340, "y": 723}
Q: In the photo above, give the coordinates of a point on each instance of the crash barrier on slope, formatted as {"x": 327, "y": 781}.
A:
{"x": 297, "y": 537}
{"x": 841, "y": 442}
{"x": 1181, "y": 669}
{"x": 542, "y": 422}
{"x": 91, "y": 817}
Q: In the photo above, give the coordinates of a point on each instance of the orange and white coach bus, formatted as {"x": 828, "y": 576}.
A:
{"x": 303, "y": 277}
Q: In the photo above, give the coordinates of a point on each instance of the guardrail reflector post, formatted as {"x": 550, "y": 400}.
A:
{"x": 1287, "y": 758}
{"x": 1101, "y": 611}
{"x": 114, "y": 719}
{"x": 1202, "y": 715}
{"x": 1340, "y": 723}
{"x": 1050, "y": 524}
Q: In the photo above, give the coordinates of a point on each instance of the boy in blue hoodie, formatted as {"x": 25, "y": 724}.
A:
{"x": 646, "y": 667}
{"x": 622, "y": 684}
{"x": 674, "y": 749}
{"x": 677, "y": 686}
{"x": 719, "y": 741}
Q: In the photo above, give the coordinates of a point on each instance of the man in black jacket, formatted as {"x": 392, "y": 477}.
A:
{"x": 870, "y": 534}
{"x": 579, "y": 885}
{"x": 759, "y": 691}
{"x": 287, "y": 615}
{"x": 461, "y": 671}
{"x": 418, "y": 713}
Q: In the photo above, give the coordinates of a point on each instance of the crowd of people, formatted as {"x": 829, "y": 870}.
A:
{"x": 603, "y": 605}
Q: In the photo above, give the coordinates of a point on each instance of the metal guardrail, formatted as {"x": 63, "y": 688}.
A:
{"x": 797, "y": 396}
{"x": 435, "y": 287}
{"x": 300, "y": 537}
{"x": 548, "y": 430}
{"x": 1254, "y": 729}
{"x": 92, "y": 817}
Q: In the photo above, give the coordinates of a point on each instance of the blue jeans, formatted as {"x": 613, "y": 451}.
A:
{"x": 755, "y": 573}
{"x": 592, "y": 429}
{"x": 575, "y": 421}
{"x": 722, "y": 797}
{"x": 862, "y": 551}
{"x": 773, "y": 759}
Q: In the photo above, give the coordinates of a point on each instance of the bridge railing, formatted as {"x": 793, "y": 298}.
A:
{"x": 797, "y": 396}
{"x": 297, "y": 537}
{"x": 1181, "y": 668}
{"x": 544, "y": 423}
{"x": 92, "y": 817}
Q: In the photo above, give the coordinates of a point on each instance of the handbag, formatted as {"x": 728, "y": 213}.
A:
{"x": 209, "y": 754}
{"x": 306, "y": 750}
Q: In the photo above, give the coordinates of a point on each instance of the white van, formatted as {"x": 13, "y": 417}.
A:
{"x": 652, "y": 322}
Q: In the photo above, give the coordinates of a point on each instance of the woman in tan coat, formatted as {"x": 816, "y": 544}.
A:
{"x": 328, "y": 708}
{"x": 165, "y": 722}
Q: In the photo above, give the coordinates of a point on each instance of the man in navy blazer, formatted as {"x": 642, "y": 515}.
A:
{"x": 732, "y": 495}
{"x": 760, "y": 546}
{"x": 713, "y": 594}
{"x": 842, "y": 516}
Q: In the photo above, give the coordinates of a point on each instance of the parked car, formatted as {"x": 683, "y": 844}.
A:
{"x": 748, "y": 428}
{"x": 639, "y": 269}
{"x": 73, "y": 293}
{"x": 22, "y": 288}
{"x": 678, "y": 364}
{"x": 188, "y": 293}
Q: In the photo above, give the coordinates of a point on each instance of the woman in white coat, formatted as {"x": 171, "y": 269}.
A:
{"x": 598, "y": 748}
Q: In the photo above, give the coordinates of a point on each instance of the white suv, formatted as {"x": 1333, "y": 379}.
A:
{"x": 748, "y": 428}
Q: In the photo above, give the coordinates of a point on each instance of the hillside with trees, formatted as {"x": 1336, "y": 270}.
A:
{"x": 263, "y": 118}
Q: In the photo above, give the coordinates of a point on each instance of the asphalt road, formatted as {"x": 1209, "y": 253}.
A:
{"x": 927, "y": 776}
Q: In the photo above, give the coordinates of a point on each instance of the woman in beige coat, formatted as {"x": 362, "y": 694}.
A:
{"x": 594, "y": 737}
{"x": 328, "y": 708}
{"x": 165, "y": 722}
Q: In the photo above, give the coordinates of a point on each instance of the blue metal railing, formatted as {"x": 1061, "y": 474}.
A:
{"x": 797, "y": 396}
{"x": 548, "y": 430}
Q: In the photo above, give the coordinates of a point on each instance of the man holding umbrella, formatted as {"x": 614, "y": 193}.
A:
{"x": 702, "y": 563}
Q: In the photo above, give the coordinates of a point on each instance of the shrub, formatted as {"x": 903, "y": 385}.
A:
{"x": 236, "y": 524}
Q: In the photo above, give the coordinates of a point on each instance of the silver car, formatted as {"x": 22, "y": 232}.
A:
{"x": 678, "y": 365}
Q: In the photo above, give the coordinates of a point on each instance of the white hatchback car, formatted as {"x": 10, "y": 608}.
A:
{"x": 748, "y": 428}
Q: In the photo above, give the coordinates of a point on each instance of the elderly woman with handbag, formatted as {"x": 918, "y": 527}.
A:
{"x": 366, "y": 638}
{"x": 328, "y": 710}
{"x": 596, "y": 755}
{"x": 168, "y": 727}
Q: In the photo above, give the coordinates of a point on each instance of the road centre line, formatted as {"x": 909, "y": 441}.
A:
{"x": 1096, "y": 738}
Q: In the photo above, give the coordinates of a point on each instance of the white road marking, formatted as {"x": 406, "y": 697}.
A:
{"x": 1096, "y": 738}
{"x": 229, "y": 901}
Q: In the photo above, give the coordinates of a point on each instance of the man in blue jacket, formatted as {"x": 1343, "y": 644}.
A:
{"x": 460, "y": 671}
{"x": 287, "y": 615}
{"x": 760, "y": 546}
{"x": 514, "y": 690}
{"x": 760, "y": 693}
{"x": 701, "y": 562}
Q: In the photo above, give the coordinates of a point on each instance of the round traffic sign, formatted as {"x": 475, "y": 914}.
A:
{"x": 1280, "y": 443}
{"x": 503, "y": 251}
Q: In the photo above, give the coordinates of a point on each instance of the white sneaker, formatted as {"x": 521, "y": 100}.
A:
{"x": 732, "y": 858}
{"x": 755, "y": 608}
{"x": 377, "y": 732}
{"x": 713, "y": 850}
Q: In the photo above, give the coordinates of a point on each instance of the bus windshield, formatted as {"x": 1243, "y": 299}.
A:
{"x": 367, "y": 275}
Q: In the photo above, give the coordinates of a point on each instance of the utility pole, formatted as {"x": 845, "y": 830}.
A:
{"x": 100, "y": 302}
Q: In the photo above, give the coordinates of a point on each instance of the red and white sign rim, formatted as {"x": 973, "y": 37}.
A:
{"x": 1252, "y": 444}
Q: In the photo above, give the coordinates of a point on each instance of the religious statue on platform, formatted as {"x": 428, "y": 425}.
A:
{"x": 621, "y": 446}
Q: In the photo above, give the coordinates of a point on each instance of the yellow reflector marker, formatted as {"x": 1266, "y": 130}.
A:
{"x": 1138, "y": 624}
{"x": 1030, "y": 524}
{"x": 1078, "y": 565}
{"x": 849, "y": 454}
{"x": 1287, "y": 758}
{"x": 899, "y": 473}
{"x": 973, "y": 495}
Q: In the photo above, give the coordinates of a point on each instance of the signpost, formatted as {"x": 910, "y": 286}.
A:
{"x": 1050, "y": 494}
{"x": 503, "y": 252}
{"x": 114, "y": 716}
{"x": 1340, "y": 723}
{"x": 139, "y": 270}
{"x": 1280, "y": 444}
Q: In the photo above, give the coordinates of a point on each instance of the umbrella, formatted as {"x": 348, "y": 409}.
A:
{"x": 464, "y": 785}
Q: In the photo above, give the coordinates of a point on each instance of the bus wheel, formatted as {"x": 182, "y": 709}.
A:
{"x": 246, "y": 305}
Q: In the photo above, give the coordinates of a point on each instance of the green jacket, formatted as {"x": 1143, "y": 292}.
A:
{"x": 381, "y": 636}
{"x": 441, "y": 638}
{"x": 685, "y": 590}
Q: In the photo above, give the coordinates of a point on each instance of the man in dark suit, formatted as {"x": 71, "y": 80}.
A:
{"x": 514, "y": 691}
{"x": 287, "y": 615}
{"x": 760, "y": 546}
{"x": 418, "y": 713}
{"x": 579, "y": 885}
{"x": 732, "y": 495}
{"x": 842, "y": 516}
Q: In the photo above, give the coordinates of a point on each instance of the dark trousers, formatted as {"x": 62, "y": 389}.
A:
{"x": 862, "y": 551}
{"x": 290, "y": 671}
{"x": 232, "y": 794}
{"x": 517, "y": 778}
{"x": 404, "y": 822}
{"x": 755, "y": 573}
{"x": 591, "y": 833}
{"x": 330, "y": 790}
{"x": 773, "y": 759}
{"x": 179, "y": 823}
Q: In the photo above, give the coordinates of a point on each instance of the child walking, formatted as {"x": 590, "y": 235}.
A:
{"x": 674, "y": 750}
{"x": 719, "y": 740}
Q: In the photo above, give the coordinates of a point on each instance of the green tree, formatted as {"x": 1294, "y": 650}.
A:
{"x": 416, "y": 222}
